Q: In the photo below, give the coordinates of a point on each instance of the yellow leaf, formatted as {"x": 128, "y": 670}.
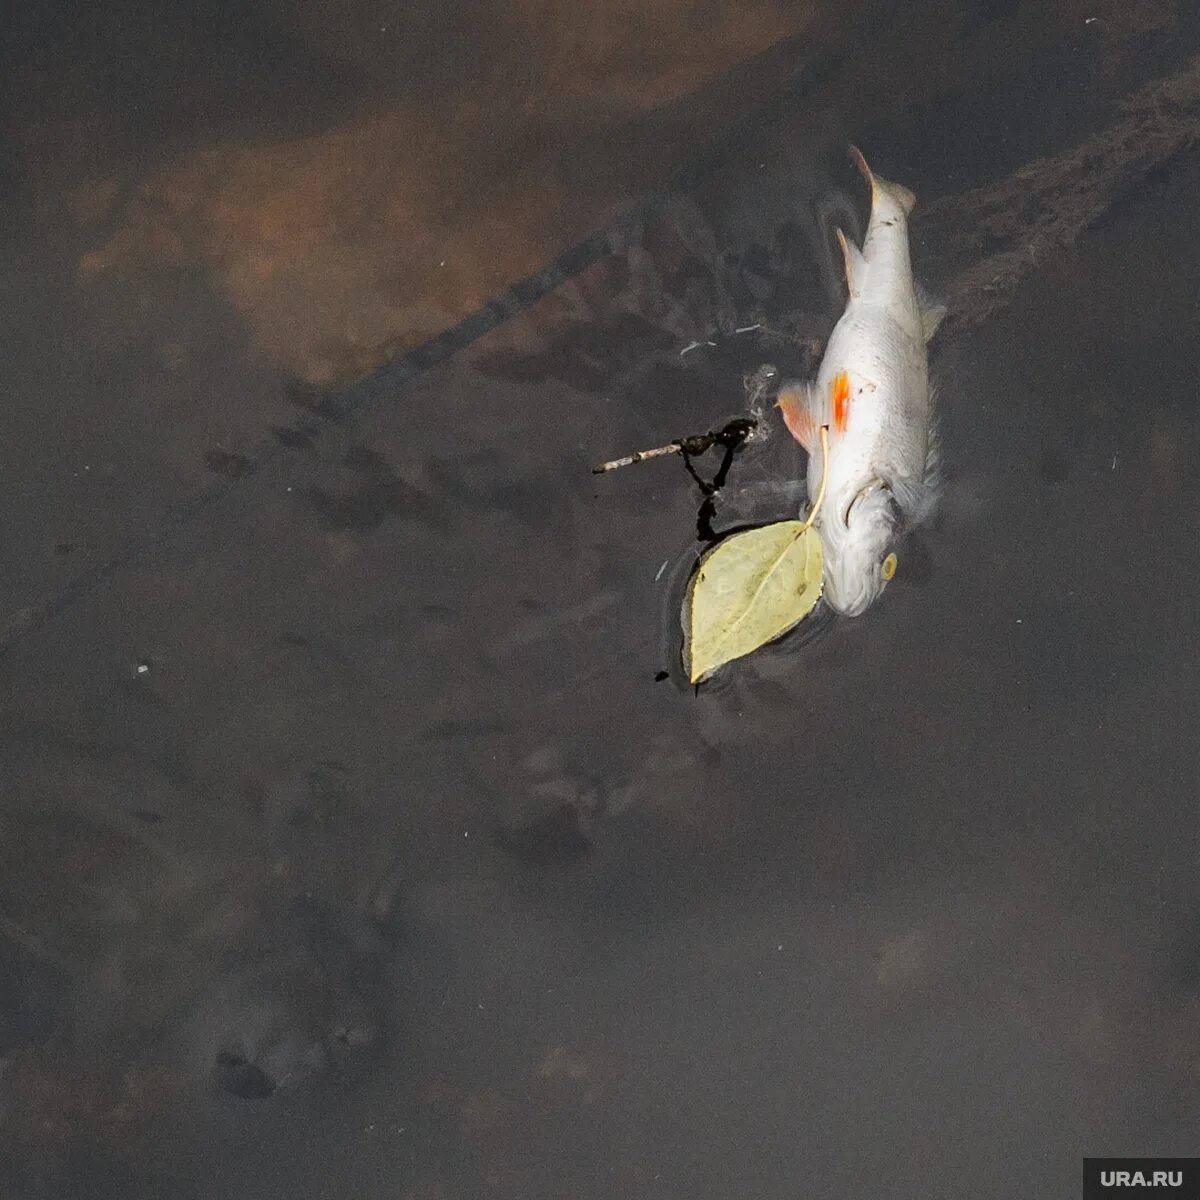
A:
{"x": 748, "y": 590}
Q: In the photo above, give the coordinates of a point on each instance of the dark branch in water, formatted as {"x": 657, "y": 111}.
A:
{"x": 708, "y": 510}
{"x": 731, "y": 437}
{"x": 732, "y": 434}
{"x": 758, "y": 385}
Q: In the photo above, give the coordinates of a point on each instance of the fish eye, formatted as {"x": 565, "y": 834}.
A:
{"x": 888, "y": 567}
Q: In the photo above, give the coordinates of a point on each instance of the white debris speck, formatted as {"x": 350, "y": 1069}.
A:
{"x": 661, "y": 569}
{"x": 694, "y": 346}
{"x": 142, "y": 668}
{"x": 748, "y": 328}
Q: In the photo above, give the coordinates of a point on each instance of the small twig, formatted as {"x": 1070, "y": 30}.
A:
{"x": 730, "y": 435}
{"x": 640, "y": 456}
{"x": 757, "y": 384}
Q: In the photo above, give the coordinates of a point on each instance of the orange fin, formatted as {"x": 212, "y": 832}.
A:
{"x": 806, "y": 408}
{"x": 795, "y": 402}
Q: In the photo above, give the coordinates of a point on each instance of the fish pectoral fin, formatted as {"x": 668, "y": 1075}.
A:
{"x": 933, "y": 312}
{"x": 796, "y": 402}
{"x": 854, "y": 263}
{"x": 806, "y": 407}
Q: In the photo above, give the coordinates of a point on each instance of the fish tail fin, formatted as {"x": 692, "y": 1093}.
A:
{"x": 802, "y": 413}
{"x": 896, "y": 191}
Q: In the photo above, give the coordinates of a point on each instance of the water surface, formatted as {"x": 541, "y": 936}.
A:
{"x": 354, "y": 841}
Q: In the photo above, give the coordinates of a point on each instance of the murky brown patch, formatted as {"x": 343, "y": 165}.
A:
{"x": 347, "y": 247}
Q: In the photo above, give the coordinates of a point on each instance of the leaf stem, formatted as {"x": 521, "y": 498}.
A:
{"x": 816, "y": 508}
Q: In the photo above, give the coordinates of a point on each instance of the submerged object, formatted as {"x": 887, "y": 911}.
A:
{"x": 872, "y": 394}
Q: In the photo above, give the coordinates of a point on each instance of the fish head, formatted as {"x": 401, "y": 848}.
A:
{"x": 858, "y": 550}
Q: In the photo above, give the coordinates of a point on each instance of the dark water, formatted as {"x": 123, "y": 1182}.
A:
{"x": 358, "y": 836}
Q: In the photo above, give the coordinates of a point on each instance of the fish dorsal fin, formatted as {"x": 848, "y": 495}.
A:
{"x": 855, "y": 264}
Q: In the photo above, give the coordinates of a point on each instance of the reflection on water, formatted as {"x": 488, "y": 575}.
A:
{"x": 360, "y": 836}
{"x": 345, "y": 246}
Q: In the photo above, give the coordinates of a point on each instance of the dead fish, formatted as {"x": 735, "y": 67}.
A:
{"x": 872, "y": 394}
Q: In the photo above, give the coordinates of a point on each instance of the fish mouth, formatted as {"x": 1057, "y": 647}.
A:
{"x": 855, "y": 609}
{"x": 851, "y": 607}
{"x": 851, "y": 592}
